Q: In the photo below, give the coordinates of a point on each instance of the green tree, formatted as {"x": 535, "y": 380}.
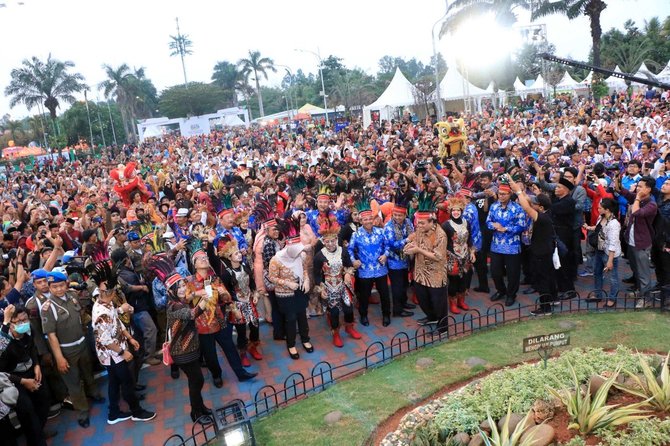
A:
{"x": 44, "y": 82}
{"x": 228, "y": 77}
{"x": 528, "y": 63}
{"x": 461, "y": 11}
{"x": 193, "y": 100}
{"x": 75, "y": 123}
{"x": 254, "y": 65}
{"x": 572, "y": 9}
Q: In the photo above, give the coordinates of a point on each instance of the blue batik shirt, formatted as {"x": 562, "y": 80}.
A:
{"x": 470, "y": 215}
{"x": 367, "y": 247}
{"x": 396, "y": 238}
{"x": 159, "y": 290}
{"x": 313, "y": 218}
{"x": 513, "y": 219}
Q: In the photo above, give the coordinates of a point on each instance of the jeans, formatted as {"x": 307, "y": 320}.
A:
{"x": 144, "y": 321}
{"x": 224, "y": 338}
{"x": 599, "y": 262}
{"x": 121, "y": 380}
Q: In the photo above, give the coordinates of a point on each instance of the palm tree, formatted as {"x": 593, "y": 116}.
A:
{"x": 256, "y": 64}
{"x": 118, "y": 85}
{"x": 14, "y": 128}
{"x": 227, "y": 76}
{"x": 47, "y": 82}
{"x": 463, "y": 10}
{"x": 573, "y": 9}
{"x": 181, "y": 46}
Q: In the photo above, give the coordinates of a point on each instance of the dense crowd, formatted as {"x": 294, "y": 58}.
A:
{"x": 158, "y": 252}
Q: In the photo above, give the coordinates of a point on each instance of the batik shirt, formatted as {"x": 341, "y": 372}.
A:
{"x": 513, "y": 219}
{"x": 314, "y": 220}
{"x": 470, "y": 215}
{"x": 107, "y": 329}
{"x": 159, "y": 290}
{"x": 367, "y": 247}
{"x": 396, "y": 238}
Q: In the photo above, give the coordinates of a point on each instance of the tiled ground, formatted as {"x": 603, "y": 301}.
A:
{"x": 170, "y": 397}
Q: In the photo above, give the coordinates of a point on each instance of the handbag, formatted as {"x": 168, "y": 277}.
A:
{"x": 167, "y": 356}
{"x": 593, "y": 236}
{"x": 555, "y": 258}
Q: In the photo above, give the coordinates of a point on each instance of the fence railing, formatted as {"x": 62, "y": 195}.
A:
{"x": 298, "y": 386}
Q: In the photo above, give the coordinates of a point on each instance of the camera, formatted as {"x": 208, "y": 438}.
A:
{"x": 11, "y": 254}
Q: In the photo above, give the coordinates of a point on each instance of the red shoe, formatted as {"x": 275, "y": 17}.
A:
{"x": 253, "y": 351}
{"x": 351, "y": 331}
{"x": 337, "y": 340}
{"x": 245, "y": 359}
{"x": 461, "y": 302}
{"x": 453, "y": 308}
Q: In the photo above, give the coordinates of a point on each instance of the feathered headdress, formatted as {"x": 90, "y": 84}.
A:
{"x": 162, "y": 266}
{"x": 195, "y": 249}
{"x": 456, "y": 202}
{"x": 223, "y": 204}
{"x": 401, "y": 202}
{"x": 226, "y": 245}
{"x": 324, "y": 191}
{"x": 102, "y": 272}
{"x": 426, "y": 208}
{"x": 290, "y": 229}
{"x": 264, "y": 212}
{"x": 155, "y": 240}
{"x": 330, "y": 227}
{"x": 362, "y": 204}
{"x": 299, "y": 185}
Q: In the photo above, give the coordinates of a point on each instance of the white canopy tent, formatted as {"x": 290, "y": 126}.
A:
{"x": 664, "y": 75}
{"x": 615, "y": 83}
{"x": 399, "y": 93}
{"x": 567, "y": 83}
{"x": 644, "y": 73}
{"x": 520, "y": 88}
{"x": 587, "y": 80}
{"x": 536, "y": 87}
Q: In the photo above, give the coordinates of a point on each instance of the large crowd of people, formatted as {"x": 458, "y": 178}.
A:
{"x": 158, "y": 252}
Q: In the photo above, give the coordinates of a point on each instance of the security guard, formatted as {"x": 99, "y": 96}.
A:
{"x": 61, "y": 321}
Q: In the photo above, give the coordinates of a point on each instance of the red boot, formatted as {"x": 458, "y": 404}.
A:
{"x": 253, "y": 351}
{"x": 351, "y": 331}
{"x": 461, "y": 301}
{"x": 337, "y": 340}
{"x": 453, "y": 307}
{"x": 244, "y": 358}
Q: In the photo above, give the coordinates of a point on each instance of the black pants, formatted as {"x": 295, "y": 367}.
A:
{"x": 366, "y": 290}
{"x": 526, "y": 268}
{"x": 121, "y": 381}
{"x": 506, "y": 265}
{"x": 544, "y": 279}
{"x": 7, "y": 432}
{"x": 661, "y": 261}
{"x": 566, "y": 274}
{"x": 458, "y": 284}
{"x": 293, "y": 311}
{"x": 481, "y": 266}
{"x": 32, "y": 409}
{"x": 334, "y": 314}
{"x": 242, "y": 340}
{"x": 278, "y": 328}
{"x": 224, "y": 338}
{"x": 433, "y": 301}
{"x": 195, "y": 383}
{"x": 399, "y": 284}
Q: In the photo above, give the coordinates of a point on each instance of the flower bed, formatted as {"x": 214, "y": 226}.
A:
{"x": 526, "y": 390}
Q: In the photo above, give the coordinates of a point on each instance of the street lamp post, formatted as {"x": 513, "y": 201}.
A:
{"x": 88, "y": 115}
{"x": 290, "y": 89}
{"x": 323, "y": 87}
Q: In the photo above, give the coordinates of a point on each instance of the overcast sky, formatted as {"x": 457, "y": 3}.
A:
{"x": 137, "y": 32}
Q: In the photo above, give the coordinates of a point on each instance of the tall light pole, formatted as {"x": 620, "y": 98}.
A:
{"x": 111, "y": 121}
{"x": 323, "y": 87}
{"x": 88, "y": 115}
{"x": 102, "y": 133}
{"x": 439, "y": 105}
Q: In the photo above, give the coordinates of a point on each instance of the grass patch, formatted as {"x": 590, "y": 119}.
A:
{"x": 367, "y": 400}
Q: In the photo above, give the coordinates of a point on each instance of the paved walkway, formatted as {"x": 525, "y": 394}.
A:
{"x": 170, "y": 397}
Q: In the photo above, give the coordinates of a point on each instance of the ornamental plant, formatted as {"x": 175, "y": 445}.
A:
{"x": 590, "y": 413}
{"x": 657, "y": 394}
{"x": 504, "y": 437}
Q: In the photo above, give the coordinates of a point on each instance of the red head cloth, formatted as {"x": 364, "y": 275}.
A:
{"x": 504, "y": 188}
{"x": 423, "y": 215}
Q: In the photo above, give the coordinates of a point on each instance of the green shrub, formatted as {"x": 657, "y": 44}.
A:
{"x": 648, "y": 388}
{"x": 650, "y": 432}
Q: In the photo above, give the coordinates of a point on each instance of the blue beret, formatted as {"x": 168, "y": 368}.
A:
{"x": 132, "y": 236}
{"x": 54, "y": 277}
{"x": 40, "y": 274}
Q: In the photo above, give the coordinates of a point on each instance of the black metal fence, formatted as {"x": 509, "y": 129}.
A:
{"x": 298, "y": 386}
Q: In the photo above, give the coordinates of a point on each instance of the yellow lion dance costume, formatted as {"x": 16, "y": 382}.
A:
{"x": 452, "y": 136}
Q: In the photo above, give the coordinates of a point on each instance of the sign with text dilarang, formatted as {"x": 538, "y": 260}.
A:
{"x": 534, "y": 343}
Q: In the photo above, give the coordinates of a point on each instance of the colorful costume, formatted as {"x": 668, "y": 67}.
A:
{"x": 127, "y": 182}
{"x": 452, "y": 136}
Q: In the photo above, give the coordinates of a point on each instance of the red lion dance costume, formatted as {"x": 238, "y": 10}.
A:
{"x": 127, "y": 181}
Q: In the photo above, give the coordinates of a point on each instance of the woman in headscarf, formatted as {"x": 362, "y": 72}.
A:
{"x": 288, "y": 272}
{"x": 460, "y": 255}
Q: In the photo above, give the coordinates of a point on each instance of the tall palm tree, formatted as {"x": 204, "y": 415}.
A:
{"x": 14, "y": 128}
{"x": 181, "y": 46}
{"x": 118, "y": 85}
{"x": 44, "y": 82}
{"x": 573, "y": 9}
{"x": 257, "y": 65}
{"x": 227, "y": 76}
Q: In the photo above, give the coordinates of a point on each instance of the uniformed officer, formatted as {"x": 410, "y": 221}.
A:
{"x": 61, "y": 321}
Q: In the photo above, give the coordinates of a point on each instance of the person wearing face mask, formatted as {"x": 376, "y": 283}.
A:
{"x": 18, "y": 358}
{"x": 289, "y": 274}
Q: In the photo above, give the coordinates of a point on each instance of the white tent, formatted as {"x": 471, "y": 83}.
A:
{"x": 614, "y": 83}
{"x": 567, "y": 83}
{"x": 153, "y": 131}
{"x": 399, "y": 93}
{"x": 536, "y": 87}
{"x": 644, "y": 73}
{"x": 664, "y": 75}
{"x": 232, "y": 121}
{"x": 587, "y": 80}
{"x": 454, "y": 87}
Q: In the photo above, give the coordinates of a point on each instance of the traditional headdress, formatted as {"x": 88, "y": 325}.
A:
{"x": 241, "y": 216}
{"x": 330, "y": 227}
{"x": 299, "y": 185}
{"x": 264, "y": 212}
{"x": 426, "y": 208}
{"x": 195, "y": 249}
{"x": 324, "y": 191}
{"x": 456, "y": 202}
{"x": 156, "y": 240}
{"x": 163, "y": 268}
{"x": 401, "y": 202}
{"x": 363, "y": 204}
{"x": 290, "y": 229}
{"x": 102, "y": 272}
{"x": 223, "y": 204}
{"x": 227, "y": 244}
